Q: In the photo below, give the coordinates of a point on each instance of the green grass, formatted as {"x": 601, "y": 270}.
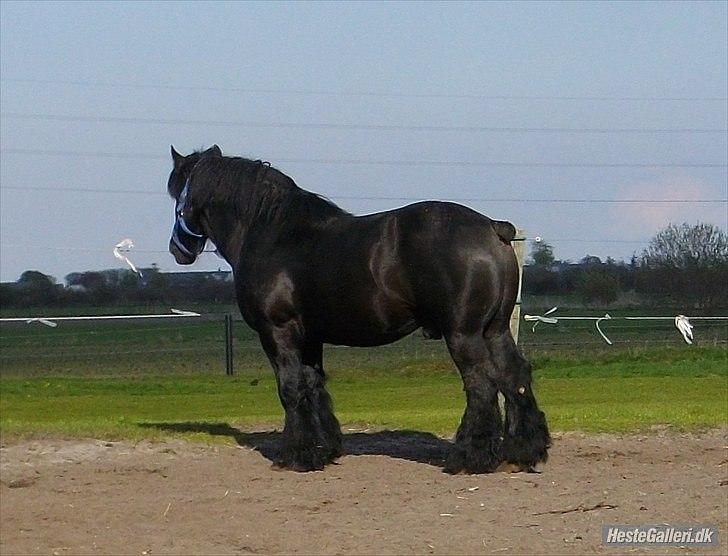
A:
{"x": 114, "y": 379}
{"x": 684, "y": 388}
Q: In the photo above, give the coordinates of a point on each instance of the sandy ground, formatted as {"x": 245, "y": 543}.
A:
{"x": 388, "y": 496}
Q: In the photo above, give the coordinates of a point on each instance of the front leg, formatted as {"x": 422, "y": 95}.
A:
{"x": 323, "y": 410}
{"x": 311, "y": 435}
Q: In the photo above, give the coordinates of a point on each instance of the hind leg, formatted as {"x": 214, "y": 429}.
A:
{"x": 526, "y": 437}
{"x": 477, "y": 442}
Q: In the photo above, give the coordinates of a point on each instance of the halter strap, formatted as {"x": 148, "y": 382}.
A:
{"x": 185, "y": 227}
{"x": 181, "y": 203}
{"x": 178, "y": 242}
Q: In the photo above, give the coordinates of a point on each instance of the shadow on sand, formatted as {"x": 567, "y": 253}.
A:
{"x": 421, "y": 447}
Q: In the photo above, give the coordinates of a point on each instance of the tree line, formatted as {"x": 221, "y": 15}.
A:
{"x": 117, "y": 287}
{"x": 683, "y": 265}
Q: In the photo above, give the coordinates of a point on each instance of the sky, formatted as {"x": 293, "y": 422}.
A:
{"x": 533, "y": 112}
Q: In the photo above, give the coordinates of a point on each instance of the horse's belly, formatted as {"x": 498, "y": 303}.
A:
{"x": 366, "y": 337}
{"x": 372, "y": 325}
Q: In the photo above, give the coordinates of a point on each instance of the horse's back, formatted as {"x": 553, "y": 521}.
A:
{"x": 372, "y": 279}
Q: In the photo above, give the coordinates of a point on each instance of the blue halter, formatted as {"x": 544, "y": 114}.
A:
{"x": 187, "y": 240}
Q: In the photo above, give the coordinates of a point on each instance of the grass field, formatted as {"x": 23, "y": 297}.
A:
{"x": 124, "y": 381}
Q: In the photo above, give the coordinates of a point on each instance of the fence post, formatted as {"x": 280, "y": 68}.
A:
{"x": 229, "y": 344}
{"x": 519, "y": 244}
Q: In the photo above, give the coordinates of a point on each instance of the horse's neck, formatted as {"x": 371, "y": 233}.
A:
{"x": 293, "y": 212}
{"x": 229, "y": 238}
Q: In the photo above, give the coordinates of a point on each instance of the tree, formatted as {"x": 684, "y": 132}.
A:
{"x": 155, "y": 286}
{"x": 542, "y": 254}
{"x": 597, "y": 286}
{"x": 685, "y": 247}
{"x": 590, "y": 260}
{"x": 686, "y": 264}
{"x": 97, "y": 288}
{"x": 35, "y": 288}
{"x": 33, "y": 278}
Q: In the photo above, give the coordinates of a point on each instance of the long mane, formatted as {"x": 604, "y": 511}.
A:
{"x": 258, "y": 192}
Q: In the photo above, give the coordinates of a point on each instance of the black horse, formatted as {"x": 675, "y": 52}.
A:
{"x": 308, "y": 273}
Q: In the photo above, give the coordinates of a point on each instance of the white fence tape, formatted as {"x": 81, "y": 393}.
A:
{"x": 51, "y": 321}
{"x": 682, "y": 322}
{"x": 125, "y": 246}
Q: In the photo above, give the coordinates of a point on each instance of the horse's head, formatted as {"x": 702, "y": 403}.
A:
{"x": 190, "y": 233}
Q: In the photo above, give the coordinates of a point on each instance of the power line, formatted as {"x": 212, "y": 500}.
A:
{"x": 85, "y": 249}
{"x": 352, "y": 161}
{"x": 385, "y": 198}
{"x": 547, "y": 200}
{"x": 85, "y": 154}
{"x": 501, "y": 164}
{"x": 581, "y": 240}
{"x": 80, "y": 189}
{"x": 166, "y": 251}
{"x": 376, "y": 94}
{"x": 349, "y": 126}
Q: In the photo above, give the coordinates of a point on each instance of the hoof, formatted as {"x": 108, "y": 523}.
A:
{"x": 455, "y": 462}
{"x": 530, "y": 444}
{"x": 507, "y": 467}
{"x": 525, "y": 454}
{"x": 469, "y": 461}
{"x": 335, "y": 448}
{"x": 303, "y": 460}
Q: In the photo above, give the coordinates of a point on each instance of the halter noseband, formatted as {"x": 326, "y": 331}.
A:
{"x": 186, "y": 238}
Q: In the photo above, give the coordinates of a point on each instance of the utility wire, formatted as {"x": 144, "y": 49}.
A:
{"x": 521, "y": 200}
{"x": 349, "y": 126}
{"x": 351, "y": 161}
{"x": 548, "y": 240}
{"x": 380, "y": 94}
{"x": 366, "y": 198}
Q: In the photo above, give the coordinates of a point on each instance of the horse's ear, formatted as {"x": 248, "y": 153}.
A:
{"x": 215, "y": 151}
{"x": 176, "y": 157}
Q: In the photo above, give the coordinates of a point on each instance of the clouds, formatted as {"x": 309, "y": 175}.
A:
{"x": 640, "y": 220}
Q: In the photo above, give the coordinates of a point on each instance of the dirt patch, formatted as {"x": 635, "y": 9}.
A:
{"x": 389, "y": 496}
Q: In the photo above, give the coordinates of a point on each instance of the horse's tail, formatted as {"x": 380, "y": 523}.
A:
{"x": 505, "y": 230}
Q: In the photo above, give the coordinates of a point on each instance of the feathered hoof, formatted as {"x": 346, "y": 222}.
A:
{"x": 466, "y": 460}
{"x": 507, "y": 467}
{"x": 308, "y": 459}
{"x": 304, "y": 460}
{"x": 528, "y": 450}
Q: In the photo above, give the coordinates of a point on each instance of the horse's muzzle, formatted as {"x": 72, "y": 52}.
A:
{"x": 179, "y": 256}
{"x": 185, "y": 244}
